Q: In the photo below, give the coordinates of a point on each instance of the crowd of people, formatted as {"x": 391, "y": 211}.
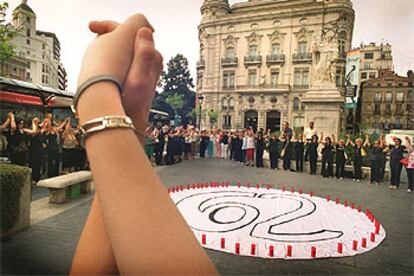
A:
{"x": 52, "y": 147}
{"x": 49, "y": 147}
{"x": 248, "y": 148}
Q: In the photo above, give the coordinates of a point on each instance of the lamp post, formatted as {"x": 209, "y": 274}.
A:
{"x": 200, "y": 101}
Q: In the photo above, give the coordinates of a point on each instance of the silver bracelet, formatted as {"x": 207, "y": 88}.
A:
{"x": 91, "y": 81}
{"x": 108, "y": 122}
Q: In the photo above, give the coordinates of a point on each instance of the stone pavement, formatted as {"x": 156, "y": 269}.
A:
{"x": 48, "y": 246}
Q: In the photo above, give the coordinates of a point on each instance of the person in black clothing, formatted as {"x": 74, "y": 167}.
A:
{"x": 286, "y": 152}
{"x": 327, "y": 157}
{"x": 35, "y": 150}
{"x": 375, "y": 159}
{"x": 260, "y": 146}
{"x": 19, "y": 140}
{"x": 299, "y": 151}
{"x": 274, "y": 152}
{"x": 170, "y": 148}
{"x": 359, "y": 154}
{"x": 340, "y": 158}
{"x": 313, "y": 153}
{"x": 51, "y": 134}
{"x": 236, "y": 147}
{"x": 396, "y": 155}
{"x": 204, "y": 140}
{"x": 159, "y": 145}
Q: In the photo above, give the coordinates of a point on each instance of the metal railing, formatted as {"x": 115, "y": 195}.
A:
{"x": 278, "y": 58}
{"x": 305, "y": 56}
{"x": 230, "y": 61}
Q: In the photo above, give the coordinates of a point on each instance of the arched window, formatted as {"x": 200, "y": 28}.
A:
{"x": 225, "y": 103}
{"x": 230, "y": 51}
{"x": 296, "y": 104}
{"x": 231, "y": 103}
{"x": 253, "y": 50}
{"x": 275, "y": 49}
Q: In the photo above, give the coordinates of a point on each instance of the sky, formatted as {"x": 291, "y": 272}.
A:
{"x": 176, "y": 21}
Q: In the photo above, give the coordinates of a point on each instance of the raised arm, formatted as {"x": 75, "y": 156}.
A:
{"x": 321, "y": 141}
{"x": 333, "y": 139}
{"x": 349, "y": 141}
{"x": 408, "y": 144}
{"x": 367, "y": 142}
{"x": 111, "y": 242}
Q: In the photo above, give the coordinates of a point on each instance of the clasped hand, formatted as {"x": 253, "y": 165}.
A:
{"x": 126, "y": 51}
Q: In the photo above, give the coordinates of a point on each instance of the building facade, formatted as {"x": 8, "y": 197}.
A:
{"x": 387, "y": 102}
{"x": 39, "y": 50}
{"x": 266, "y": 62}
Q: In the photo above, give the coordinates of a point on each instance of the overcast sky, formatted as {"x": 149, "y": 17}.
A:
{"x": 176, "y": 24}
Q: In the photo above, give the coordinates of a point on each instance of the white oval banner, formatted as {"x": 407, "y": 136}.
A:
{"x": 270, "y": 223}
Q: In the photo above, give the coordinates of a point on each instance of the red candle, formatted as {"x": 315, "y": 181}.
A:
{"x": 372, "y": 239}
{"x": 223, "y": 243}
{"x": 182, "y": 188}
{"x": 169, "y": 190}
{"x": 268, "y": 187}
{"x": 377, "y": 227}
{"x": 203, "y": 239}
{"x": 352, "y": 205}
{"x": 355, "y": 245}
{"x": 292, "y": 190}
{"x": 253, "y": 249}
{"x": 227, "y": 184}
{"x": 188, "y": 187}
{"x": 271, "y": 251}
{"x": 340, "y": 247}
{"x": 258, "y": 186}
{"x": 289, "y": 251}
{"x": 313, "y": 252}
{"x": 239, "y": 184}
{"x": 359, "y": 208}
{"x": 283, "y": 188}
{"x": 300, "y": 191}
{"x": 173, "y": 189}
{"x": 328, "y": 198}
{"x": 237, "y": 248}
{"x": 311, "y": 194}
{"x": 364, "y": 243}
{"x": 346, "y": 203}
{"x": 337, "y": 200}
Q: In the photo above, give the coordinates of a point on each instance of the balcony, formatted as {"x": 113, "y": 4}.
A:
{"x": 201, "y": 64}
{"x": 301, "y": 86}
{"x": 275, "y": 59}
{"x": 230, "y": 62}
{"x": 229, "y": 87}
{"x": 252, "y": 60}
{"x": 305, "y": 57}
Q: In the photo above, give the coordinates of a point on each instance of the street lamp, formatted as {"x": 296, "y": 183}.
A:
{"x": 200, "y": 101}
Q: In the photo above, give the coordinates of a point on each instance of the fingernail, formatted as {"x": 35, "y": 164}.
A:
{"x": 146, "y": 36}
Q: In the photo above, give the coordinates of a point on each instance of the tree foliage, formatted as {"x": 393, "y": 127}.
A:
{"x": 6, "y": 34}
{"x": 176, "y": 85}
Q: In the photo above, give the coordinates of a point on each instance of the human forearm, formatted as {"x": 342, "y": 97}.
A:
{"x": 126, "y": 184}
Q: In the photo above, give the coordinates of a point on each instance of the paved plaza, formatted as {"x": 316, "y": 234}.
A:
{"x": 48, "y": 246}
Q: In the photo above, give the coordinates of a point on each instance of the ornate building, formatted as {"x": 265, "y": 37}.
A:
{"x": 387, "y": 102}
{"x": 38, "y": 50}
{"x": 263, "y": 62}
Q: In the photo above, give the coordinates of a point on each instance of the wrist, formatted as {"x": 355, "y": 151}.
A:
{"x": 99, "y": 100}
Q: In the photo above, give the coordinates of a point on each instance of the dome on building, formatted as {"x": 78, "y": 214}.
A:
{"x": 24, "y": 6}
{"x": 215, "y": 7}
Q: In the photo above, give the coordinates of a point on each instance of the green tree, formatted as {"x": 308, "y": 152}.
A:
{"x": 176, "y": 101}
{"x": 6, "y": 34}
{"x": 177, "y": 82}
{"x": 213, "y": 115}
